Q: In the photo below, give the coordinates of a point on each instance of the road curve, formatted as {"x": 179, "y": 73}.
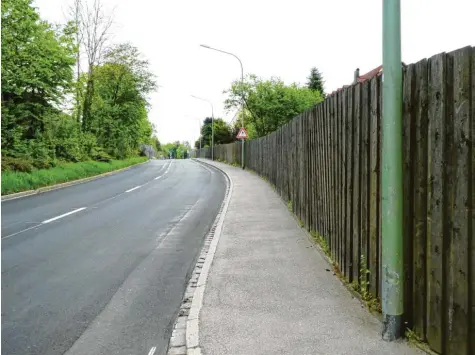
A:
{"x": 101, "y": 267}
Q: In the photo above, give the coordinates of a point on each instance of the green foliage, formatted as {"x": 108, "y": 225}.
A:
{"x": 176, "y": 150}
{"x": 16, "y": 181}
{"x": 315, "y": 81}
{"x": 156, "y": 143}
{"x": 37, "y": 74}
{"x": 270, "y": 103}
{"x": 223, "y": 133}
{"x": 119, "y": 107}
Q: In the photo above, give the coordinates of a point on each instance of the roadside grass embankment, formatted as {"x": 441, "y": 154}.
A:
{"x": 13, "y": 181}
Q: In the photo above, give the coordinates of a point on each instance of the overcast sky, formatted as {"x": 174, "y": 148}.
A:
{"x": 272, "y": 38}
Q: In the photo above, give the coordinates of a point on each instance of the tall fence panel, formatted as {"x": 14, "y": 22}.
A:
{"x": 327, "y": 164}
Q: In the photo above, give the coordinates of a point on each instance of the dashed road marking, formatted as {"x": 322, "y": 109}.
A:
{"x": 134, "y": 188}
{"x": 63, "y": 215}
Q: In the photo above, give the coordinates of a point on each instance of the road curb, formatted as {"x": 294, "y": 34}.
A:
{"x": 185, "y": 335}
{"x": 41, "y": 190}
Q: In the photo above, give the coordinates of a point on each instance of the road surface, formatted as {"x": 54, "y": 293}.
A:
{"x": 101, "y": 267}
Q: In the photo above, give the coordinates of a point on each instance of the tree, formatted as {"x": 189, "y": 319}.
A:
{"x": 119, "y": 105}
{"x": 94, "y": 30}
{"x": 270, "y": 103}
{"x": 222, "y": 132}
{"x": 315, "y": 81}
{"x": 36, "y": 73}
{"x": 176, "y": 150}
{"x": 156, "y": 143}
{"x": 75, "y": 13}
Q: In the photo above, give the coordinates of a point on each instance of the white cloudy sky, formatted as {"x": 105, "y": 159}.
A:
{"x": 272, "y": 38}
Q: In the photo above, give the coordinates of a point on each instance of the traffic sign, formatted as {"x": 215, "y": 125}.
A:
{"x": 242, "y": 134}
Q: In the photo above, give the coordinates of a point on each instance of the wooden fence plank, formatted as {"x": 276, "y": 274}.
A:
{"x": 335, "y": 174}
{"x": 373, "y": 255}
{"x": 309, "y": 170}
{"x": 301, "y": 181}
{"x": 458, "y": 313}
{"x": 321, "y": 170}
{"x": 326, "y": 172}
{"x": 315, "y": 177}
{"x": 420, "y": 157}
{"x": 364, "y": 215}
{"x": 340, "y": 144}
{"x": 436, "y": 148}
{"x": 356, "y": 183}
{"x": 350, "y": 180}
{"x": 337, "y": 161}
{"x": 343, "y": 202}
{"x": 408, "y": 187}
{"x": 471, "y": 221}
{"x": 331, "y": 197}
{"x": 318, "y": 181}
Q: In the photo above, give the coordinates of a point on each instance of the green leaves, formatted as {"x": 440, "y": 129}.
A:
{"x": 36, "y": 59}
{"x": 270, "y": 103}
{"x": 37, "y": 74}
{"x": 315, "y": 81}
{"x": 223, "y": 133}
{"x": 119, "y": 105}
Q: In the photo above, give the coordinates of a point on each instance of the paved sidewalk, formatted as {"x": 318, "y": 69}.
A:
{"x": 269, "y": 291}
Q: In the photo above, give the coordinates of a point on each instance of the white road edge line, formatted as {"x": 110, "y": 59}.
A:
{"x": 134, "y": 188}
{"x": 152, "y": 350}
{"x": 192, "y": 323}
{"x": 63, "y": 215}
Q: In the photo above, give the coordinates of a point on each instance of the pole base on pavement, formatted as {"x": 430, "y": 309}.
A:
{"x": 391, "y": 327}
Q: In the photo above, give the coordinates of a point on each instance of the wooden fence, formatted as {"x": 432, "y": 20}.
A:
{"x": 327, "y": 162}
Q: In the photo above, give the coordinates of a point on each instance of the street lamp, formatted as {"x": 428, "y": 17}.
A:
{"x": 392, "y": 297}
{"x": 212, "y": 124}
{"x": 242, "y": 98}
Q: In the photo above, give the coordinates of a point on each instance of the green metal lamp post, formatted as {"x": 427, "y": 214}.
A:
{"x": 392, "y": 174}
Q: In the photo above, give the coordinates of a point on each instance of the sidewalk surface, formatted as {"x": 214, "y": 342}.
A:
{"x": 269, "y": 291}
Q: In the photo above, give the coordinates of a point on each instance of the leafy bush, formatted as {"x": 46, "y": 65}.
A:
{"x": 24, "y": 165}
{"x": 98, "y": 154}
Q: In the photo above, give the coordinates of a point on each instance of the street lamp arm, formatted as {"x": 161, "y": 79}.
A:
{"x": 200, "y": 98}
{"x": 234, "y": 55}
{"x": 242, "y": 84}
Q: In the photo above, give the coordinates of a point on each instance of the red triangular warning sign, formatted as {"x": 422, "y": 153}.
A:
{"x": 242, "y": 134}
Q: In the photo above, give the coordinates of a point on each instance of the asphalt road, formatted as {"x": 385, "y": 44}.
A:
{"x": 101, "y": 267}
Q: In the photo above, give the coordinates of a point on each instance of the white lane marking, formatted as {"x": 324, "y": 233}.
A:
{"x": 134, "y": 188}
{"x": 166, "y": 171}
{"x": 80, "y": 209}
{"x": 152, "y": 350}
{"x": 22, "y": 231}
{"x": 63, "y": 215}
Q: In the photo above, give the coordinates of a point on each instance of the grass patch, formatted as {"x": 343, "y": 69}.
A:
{"x": 13, "y": 181}
{"x": 289, "y": 205}
{"x": 323, "y": 243}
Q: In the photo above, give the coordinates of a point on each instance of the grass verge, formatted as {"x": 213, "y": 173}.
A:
{"x": 13, "y": 181}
